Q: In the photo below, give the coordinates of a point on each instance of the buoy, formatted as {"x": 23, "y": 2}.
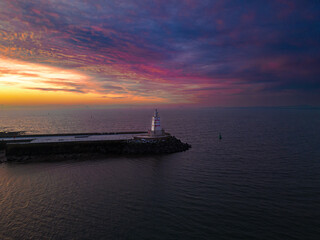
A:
{"x": 220, "y": 137}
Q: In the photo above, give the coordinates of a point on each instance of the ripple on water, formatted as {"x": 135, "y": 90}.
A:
{"x": 259, "y": 182}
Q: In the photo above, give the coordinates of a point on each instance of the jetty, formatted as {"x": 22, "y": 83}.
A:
{"x": 18, "y": 146}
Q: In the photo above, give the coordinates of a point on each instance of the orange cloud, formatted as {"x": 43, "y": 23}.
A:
{"x": 23, "y": 83}
{"x": 25, "y": 75}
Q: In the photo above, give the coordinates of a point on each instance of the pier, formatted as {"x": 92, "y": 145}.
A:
{"x": 21, "y": 147}
{"x": 72, "y": 137}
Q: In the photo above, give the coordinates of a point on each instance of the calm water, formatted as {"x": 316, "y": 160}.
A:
{"x": 261, "y": 181}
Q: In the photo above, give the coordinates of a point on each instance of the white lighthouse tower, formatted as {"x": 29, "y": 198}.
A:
{"x": 156, "y": 129}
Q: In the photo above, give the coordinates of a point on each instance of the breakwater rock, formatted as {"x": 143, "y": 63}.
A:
{"x": 169, "y": 144}
{"x": 28, "y": 152}
{"x": 11, "y": 134}
{"x": 2, "y": 156}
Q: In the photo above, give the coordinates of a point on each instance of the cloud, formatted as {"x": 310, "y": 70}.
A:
{"x": 55, "y": 89}
{"x": 40, "y": 77}
{"x": 176, "y": 50}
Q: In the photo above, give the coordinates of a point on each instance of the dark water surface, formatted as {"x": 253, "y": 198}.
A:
{"x": 261, "y": 181}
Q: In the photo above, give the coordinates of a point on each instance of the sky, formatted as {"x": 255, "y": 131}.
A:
{"x": 160, "y": 52}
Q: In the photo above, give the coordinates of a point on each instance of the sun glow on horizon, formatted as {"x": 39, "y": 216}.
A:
{"x": 24, "y": 83}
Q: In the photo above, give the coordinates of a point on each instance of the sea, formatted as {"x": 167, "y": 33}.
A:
{"x": 261, "y": 180}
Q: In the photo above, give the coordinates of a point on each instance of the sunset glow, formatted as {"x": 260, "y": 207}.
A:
{"x": 214, "y": 53}
{"x": 35, "y": 84}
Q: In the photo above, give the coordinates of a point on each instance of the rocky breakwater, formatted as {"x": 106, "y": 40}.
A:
{"x": 168, "y": 144}
{"x": 2, "y": 156}
{"x": 61, "y": 150}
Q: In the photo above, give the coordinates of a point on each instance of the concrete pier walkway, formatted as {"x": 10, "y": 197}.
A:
{"x": 79, "y": 137}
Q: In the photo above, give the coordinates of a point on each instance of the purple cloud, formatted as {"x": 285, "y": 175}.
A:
{"x": 205, "y": 52}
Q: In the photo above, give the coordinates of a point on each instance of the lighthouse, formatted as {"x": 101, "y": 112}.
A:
{"x": 156, "y": 129}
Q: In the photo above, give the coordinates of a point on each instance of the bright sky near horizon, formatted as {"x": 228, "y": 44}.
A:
{"x": 188, "y": 52}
